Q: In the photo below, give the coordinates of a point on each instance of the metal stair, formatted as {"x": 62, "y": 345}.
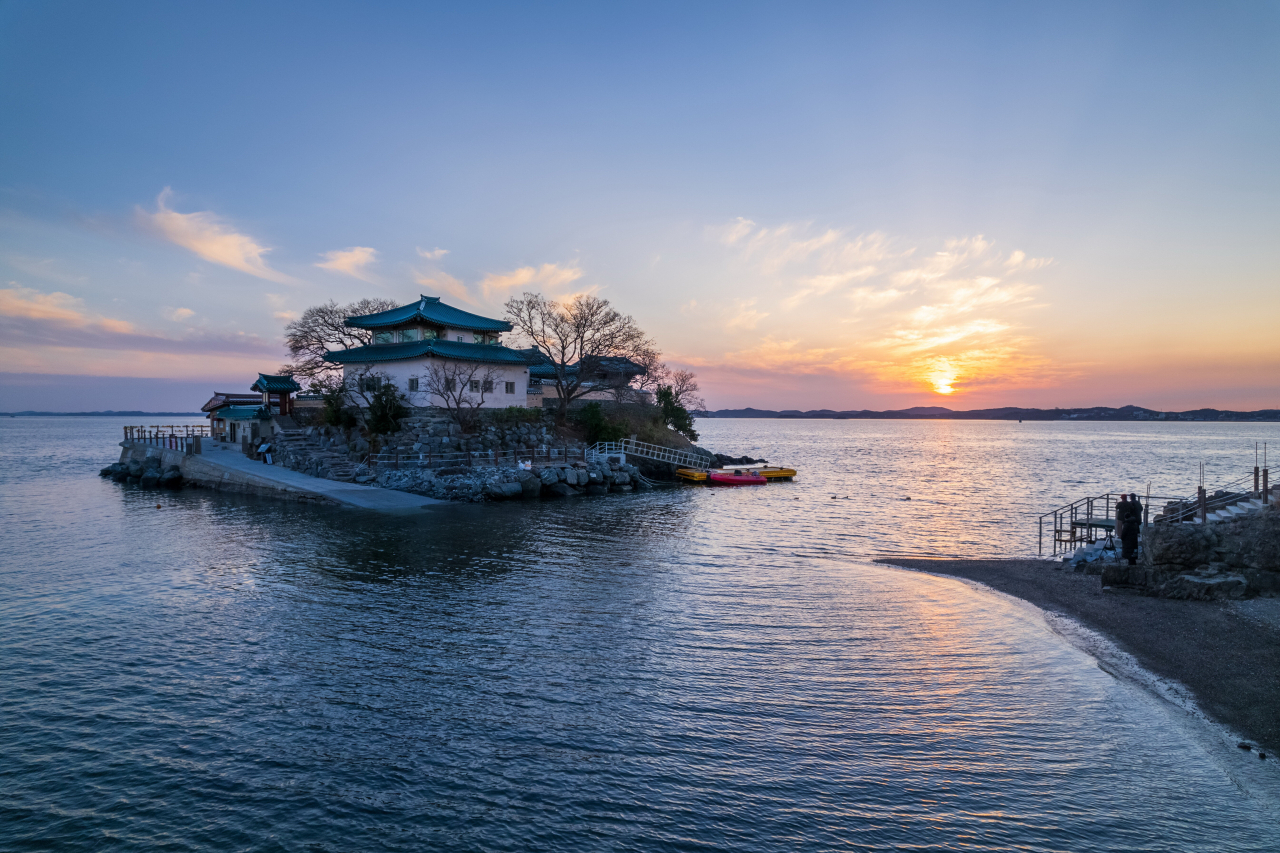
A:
{"x": 631, "y": 447}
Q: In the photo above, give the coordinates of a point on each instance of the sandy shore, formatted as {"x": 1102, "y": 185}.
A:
{"x": 1226, "y": 653}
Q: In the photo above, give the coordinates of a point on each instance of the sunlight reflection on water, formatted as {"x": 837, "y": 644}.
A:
{"x": 680, "y": 669}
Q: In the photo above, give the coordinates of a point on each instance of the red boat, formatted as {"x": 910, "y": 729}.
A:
{"x": 735, "y": 478}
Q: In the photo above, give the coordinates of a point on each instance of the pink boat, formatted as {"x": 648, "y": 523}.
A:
{"x": 735, "y": 478}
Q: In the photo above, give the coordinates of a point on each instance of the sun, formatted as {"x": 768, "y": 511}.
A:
{"x": 942, "y": 375}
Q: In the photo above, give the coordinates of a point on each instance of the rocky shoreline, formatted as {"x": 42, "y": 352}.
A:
{"x": 1227, "y": 653}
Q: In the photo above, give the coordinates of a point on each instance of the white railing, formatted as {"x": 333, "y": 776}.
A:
{"x": 681, "y": 458}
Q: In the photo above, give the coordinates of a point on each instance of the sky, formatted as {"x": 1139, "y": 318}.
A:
{"x": 845, "y": 205}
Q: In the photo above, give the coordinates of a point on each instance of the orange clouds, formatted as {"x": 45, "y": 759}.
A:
{"x": 875, "y": 311}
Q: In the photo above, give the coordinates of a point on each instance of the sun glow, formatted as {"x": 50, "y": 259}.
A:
{"x": 942, "y": 375}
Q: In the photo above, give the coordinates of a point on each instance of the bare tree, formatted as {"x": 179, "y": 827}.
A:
{"x": 462, "y": 386}
{"x": 575, "y": 334}
{"x": 321, "y": 328}
{"x": 685, "y": 391}
{"x": 683, "y": 383}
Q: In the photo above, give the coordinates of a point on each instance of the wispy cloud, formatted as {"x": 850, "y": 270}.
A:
{"x": 943, "y": 320}
{"x": 434, "y": 255}
{"x": 208, "y": 236}
{"x": 442, "y": 282}
{"x": 352, "y": 262}
{"x": 179, "y": 315}
{"x": 60, "y": 321}
{"x": 745, "y": 316}
{"x": 552, "y": 278}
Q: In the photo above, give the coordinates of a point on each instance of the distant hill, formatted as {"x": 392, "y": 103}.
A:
{"x": 108, "y": 413}
{"x": 1008, "y": 413}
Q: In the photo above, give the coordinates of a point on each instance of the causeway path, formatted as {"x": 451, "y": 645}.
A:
{"x": 226, "y": 464}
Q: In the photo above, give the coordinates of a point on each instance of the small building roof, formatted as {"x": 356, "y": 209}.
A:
{"x": 275, "y": 384}
{"x": 242, "y": 413}
{"x": 541, "y": 367}
{"x": 432, "y": 310}
{"x": 490, "y": 353}
{"x": 222, "y": 399}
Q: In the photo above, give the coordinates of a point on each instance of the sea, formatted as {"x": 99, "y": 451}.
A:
{"x": 686, "y": 669}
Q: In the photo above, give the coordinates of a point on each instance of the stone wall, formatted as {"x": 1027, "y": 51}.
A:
{"x": 1235, "y": 558}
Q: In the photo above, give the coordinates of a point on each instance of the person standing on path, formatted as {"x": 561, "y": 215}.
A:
{"x": 1132, "y": 524}
{"x": 1122, "y": 512}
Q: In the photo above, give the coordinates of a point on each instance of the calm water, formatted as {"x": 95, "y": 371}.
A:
{"x": 681, "y": 670}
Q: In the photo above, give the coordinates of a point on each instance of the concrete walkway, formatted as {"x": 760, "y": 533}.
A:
{"x": 226, "y": 464}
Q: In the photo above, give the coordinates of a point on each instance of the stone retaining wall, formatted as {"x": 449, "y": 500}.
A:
{"x": 1235, "y": 558}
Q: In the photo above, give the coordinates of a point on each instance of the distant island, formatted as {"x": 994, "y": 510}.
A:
{"x": 108, "y": 413}
{"x": 1008, "y": 413}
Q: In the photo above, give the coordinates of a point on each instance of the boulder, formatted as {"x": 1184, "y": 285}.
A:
{"x": 504, "y": 491}
{"x": 151, "y": 463}
{"x": 559, "y": 490}
{"x": 621, "y": 478}
{"x": 530, "y": 484}
{"x": 150, "y": 479}
{"x": 1214, "y": 586}
{"x": 548, "y": 476}
{"x": 171, "y": 479}
{"x": 597, "y": 489}
{"x": 134, "y": 468}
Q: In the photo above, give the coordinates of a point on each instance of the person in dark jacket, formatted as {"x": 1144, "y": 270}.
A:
{"x": 1132, "y": 524}
{"x": 1122, "y": 512}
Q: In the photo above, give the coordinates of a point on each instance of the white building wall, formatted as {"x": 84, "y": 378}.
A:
{"x": 400, "y": 372}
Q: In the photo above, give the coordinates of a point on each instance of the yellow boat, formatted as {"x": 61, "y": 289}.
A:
{"x": 769, "y": 472}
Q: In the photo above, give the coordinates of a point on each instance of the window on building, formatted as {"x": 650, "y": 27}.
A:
{"x": 475, "y": 385}
{"x": 511, "y": 387}
{"x": 382, "y": 337}
{"x": 413, "y": 383}
{"x": 369, "y": 384}
{"x": 430, "y": 334}
{"x": 488, "y": 386}
{"x": 477, "y": 339}
{"x": 448, "y": 384}
{"x": 460, "y": 340}
{"x": 408, "y": 335}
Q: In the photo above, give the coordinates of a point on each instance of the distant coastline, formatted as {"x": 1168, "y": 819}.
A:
{"x": 1008, "y": 413}
{"x": 108, "y": 413}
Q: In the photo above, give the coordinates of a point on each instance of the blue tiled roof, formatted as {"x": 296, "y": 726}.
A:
{"x": 490, "y": 353}
{"x": 275, "y": 384}
{"x": 241, "y": 413}
{"x": 430, "y": 309}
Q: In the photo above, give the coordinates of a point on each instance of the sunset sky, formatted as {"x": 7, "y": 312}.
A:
{"x": 811, "y": 205}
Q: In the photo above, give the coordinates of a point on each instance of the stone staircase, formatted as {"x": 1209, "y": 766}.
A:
{"x": 305, "y": 453}
{"x": 1247, "y": 505}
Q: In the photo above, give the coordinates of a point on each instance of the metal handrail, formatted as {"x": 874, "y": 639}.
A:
{"x": 1078, "y": 522}
{"x": 655, "y": 452}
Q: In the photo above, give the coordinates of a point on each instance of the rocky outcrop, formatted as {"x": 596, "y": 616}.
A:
{"x": 500, "y": 484}
{"x": 148, "y": 473}
{"x": 1234, "y": 558}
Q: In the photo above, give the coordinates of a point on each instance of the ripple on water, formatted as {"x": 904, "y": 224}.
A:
{"x": 678, "y": 670}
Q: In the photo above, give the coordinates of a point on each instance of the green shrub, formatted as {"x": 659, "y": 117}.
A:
{"x": 597, "y": 425}
{"x": 674, "y": 415}
{"x": 386, "y": 408}
{"x": 513, "y": 415}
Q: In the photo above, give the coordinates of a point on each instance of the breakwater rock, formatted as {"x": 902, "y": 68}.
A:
{"x": 1234, "y": 558}
{"x": 476, "y": 485}
{"x": 148, "y": 473}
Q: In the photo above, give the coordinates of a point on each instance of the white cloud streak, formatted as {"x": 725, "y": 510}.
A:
{"x": 210, "y": 238}
{"x": 352, "y": 262}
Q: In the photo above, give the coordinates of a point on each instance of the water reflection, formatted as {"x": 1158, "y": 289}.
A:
{"x": 673, "y": 670}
